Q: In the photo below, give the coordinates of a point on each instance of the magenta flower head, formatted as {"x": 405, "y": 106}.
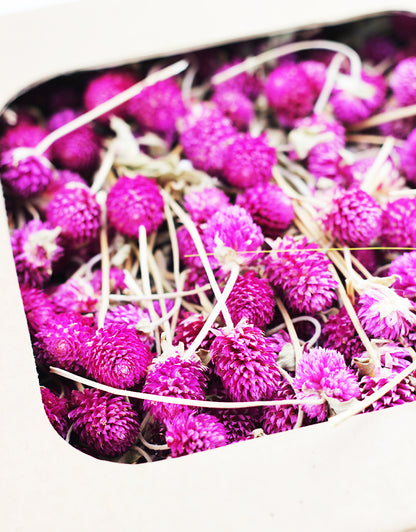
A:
{"x": 75, "y": 295}
{"x": 322, "y": 373}
{"x": 248, "y": 161}
{"x": 393, "y": 357}
{"x": 244, "y": 363}
{"x": 56, "y": 409}
{"x": 358, "y": 103}
{"x": 24, "y": 175}
{"x": 403, "y": 81}
{"x": 117, "y": 357}
{"x": 405, "y": 269}
{"x": 280, "y": 418}
{"x": 188, "y": 433}
{"x": 205, "y": 134}
{"x": 117, "y": 280}
{"x": 408, "y": 157}
{"x": 188, "y": 329}
{"x": 269, "y": 207}
{"x": 187, "y": 249}
{"x": 251, "y": 298}
{"x": 105, "y": 424}
{"x": 232, "y": 234}
{"x": 156, "y": 108}
{"x": 36, "y": 248}
{"x": 174, "y": 374}
{"x": 24, "y": 135}
{"x": 302, "y": 274}
{"x": 354, "y": 218}
{"x": 135, "y": 202}
{"x": 404, "y": 392}
{"x": 60, "y": 341}
{"x": 245, "y": 83}
{"x": 39, "y": 309}
{"x": 399, "y": 223}
{"x": 130, "y": 315}
{"x": 385, "y": 314}
{"x": 239, "y": 423}
{"x": 105, "y": 86}
{"x": 339, "y": 333}
{"x": 397, "y": 128}
{"x": 202, "y": 204}
{"x": 76, "y": 211}
{"x": 237, "y": 107}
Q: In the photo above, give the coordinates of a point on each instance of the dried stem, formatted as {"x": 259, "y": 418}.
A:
{"x": 383, "y": 118}
{"x": 331, "y": 76}
{"x": 152, "y": 446}
{"x": 102, "y": 173}
{"x": 142, "y": 452}
{"x": 105, "y": 264}
{"x": 291, "y": 330}
{"x": 165, "y": 295}
{"x": 374, "y": 176}
{"x": 372, "y": 139}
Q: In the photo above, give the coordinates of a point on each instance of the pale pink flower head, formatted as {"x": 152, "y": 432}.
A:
{"x": 202, "y": 204}
{"x": 404, "y": 267}
{"x": 393, "y": 357}
{"x": 399, "y": 223}
{"x": 237, "y": 107}
{"x": 56, "y": 409}
{"x": 280, "y": 418}
{"x": 189, "y": 433}
{"x": 75, "y": 295}
{"x": 104, "y": 423}
{"x": 323, "y": 373}
{"x": 133, "y": 202}
{"x": 403, "y": 81}
{"x": 25, "y": 176}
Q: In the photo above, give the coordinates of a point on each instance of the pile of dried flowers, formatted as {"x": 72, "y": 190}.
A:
{"x": 212, "y": 250}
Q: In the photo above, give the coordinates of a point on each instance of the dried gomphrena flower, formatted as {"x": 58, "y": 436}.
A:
{"x": 239, "y": 423}
{"x": 283, "y": 417}
{"x": 404, "y": 267}
{"x": 23, "y": 135}
{"x": 56, "y": 409}
{"x": 399, "y": 223}
{"x": 407, "y": 154}
{"x": 202, "y": 204}
{"x": 403, "y": 392}
{"x": 339, "y": 333}
{"x": 131, "y": 316}
{"x": 188, "y": 329}
{"x": 246, "y": 83}
{"x": 75, "y": 295}
{"x": 403, "y": 81}
{"x": 236, "y": 106}
{"x": 24, "y": 174}
{"x": 39, "y": 309}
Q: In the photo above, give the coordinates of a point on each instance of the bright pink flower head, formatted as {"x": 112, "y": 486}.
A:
{"x": 157, "y": 107}
{"x": 56, "y": 409}
{"x": 60, "y": 341}
{"x": 408, "y": 157}
{"x": 404, "y": 267}
{"x": 75, "y": 209}
{"x": 39, "y": 309}
{"x": 323, "y": 371}
{"x": 354, "y": 218}
{"x": 60, "y": 179}
{"x": 269, "y": 207}
{"x": 106, "y": 424}
{"x": 302, "y": 275}
{"x": 399, "y": 223}
{"x": 26, "y": 177}
{"x": 237, "y": 107}
{"x": 251, "y": 298}
{"x": 174, "y": 374}
{"x": 188, "y": 328}
{"x": 316, "y": 74}
{"x": 339, "y": 333}
{"x": 189, "y": 433}
{"x": 105, "y": 86}
{"x": 385, "y": 314}
{"x": 117, "y": 280}
{"x": 349, "y": 108}
{"x": 393, "y": 357}
{"x": 239, "y": 423}
{"x": 204, "y": 135}
{"x": 130, "y": 315}
{"x": 187, "y": 249}
{"x": 245, "y": 83}
{"x": 24, "y": 135}
{"x": 248, "y": 161}
{"x": 135, "y": 202}
{"x": 397, "y": 128}
{"x": 202, "y": 204}
{"x": 117, "y": 357}
{"x": 404, "y": 392}
{"x": 233, "y": 228}
{"x": 36, "y": 247}
{"x": 244, "y": 363}
{"x": 75, "y": 295}
{"x": 403, "y": 81}
{"x": 280, "y": 418}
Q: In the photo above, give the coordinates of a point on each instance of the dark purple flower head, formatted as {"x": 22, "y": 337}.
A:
{"x": 202, "y": 204}
{"x": 239, "y": 423}
{"x": 399, "y": 223}
{"x": 408, "y": 157}
{"x": 403, "y": 81}
{"x": 269, "y": 207}
{"x": 75, "y": 209}
{"x": 36, "y": 247}
{"x": 404, "y": 392}
{"x": 174, "y": 374}
{"x": 248, "y": 161}
{"x": 75, "y": 295}
{"x": 339, "y": 333}
{"x": 130, "y": 315}
{"x": 280, "y": 418}
{"x": 405, "y": 268}
{"x": 244, "y": 363}
{"x": 56, "y": 409}
{"x": 302, "y": 275}
{"x": 188, "y": 433}
{"x": 245, "y": 83}
{"x": 205, "y": 134}
{"x": 188, "y": 328}
{"x": 133, "y": 202}
{"x": 236, "y": 106}
{"x": 26, "y": 176}
{"x": 39, "y": 309}
{"x": 354, "y": 218}
{"x": 117, "y": 357}
{"x": 322, "y": 372}
{"x": 105, "y": 424}
{"x": 377, "y": 48}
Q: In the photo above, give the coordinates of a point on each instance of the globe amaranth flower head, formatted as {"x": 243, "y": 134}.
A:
{"x": 248, "y": 161}
{"x": 245, "y": 83}
{"x": 302, "y": 276}
{"x": 377, "y": 47}
{"x": 404, "y": 392}
{"x": 385, "y": 314}
{"x": 36, "y": 247}
{"x": 39, "y": 309}
{"x": 24, "y": 174}
{"x": 339, "y": 333}
{"x": 404, "y": 266}
{"x": 393, "y": 357}
{"x": 174, "y": 374}
{"x": 24, "y": 135}
{"x": 354, "y": 218}
{"x": 76, "y": 211}
{"x": 75, "y": 295}
{"x": 104, "y": 423}
{"x": 202, "y": 204}
{"x": 401, "y": 128}
{"x": 244, "y": 363}
{"x": 232, "y": 235}
{"x": 398, "y": 223}
{"x": 188, "y": 329}
{"x": 403, "y": 81}
{"x": 323, "y": 373}
{"x": 282, "y": 417}
{"x": 117, "y": 280}
{"x": 251, "y": 298}
{"x": 56, "y": 409}
{"x": 269, "y": 206}
{"x": 205, "y": 133}
{"x": 131, "y": 316}
{"x": 235, "y": 106}
{"x": 239, "y": 423}
{"x": 133, "y": 202}
{"x": 116, "y": 356}
{"x": 407, "y": 154}
{"x": 188, "y": 433}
